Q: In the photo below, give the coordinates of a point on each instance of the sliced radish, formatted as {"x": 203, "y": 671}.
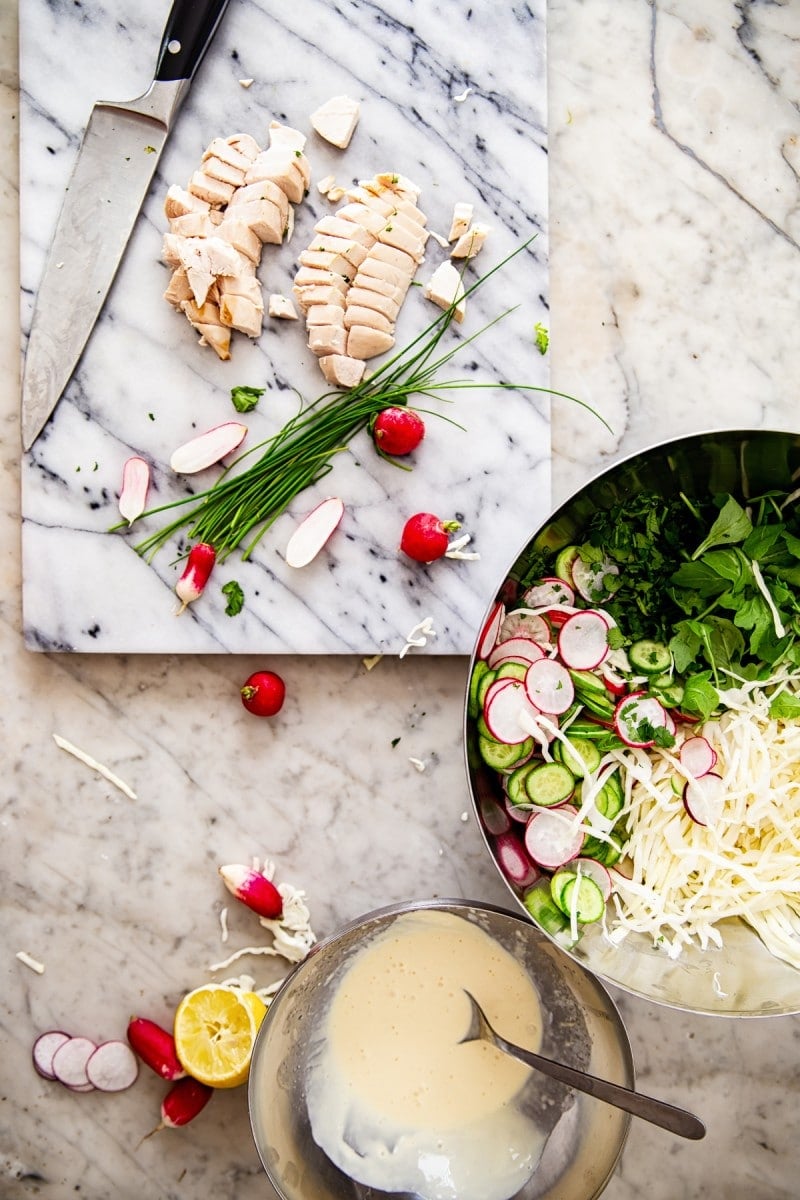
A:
{"x": 669, "y": 723}
{"x": 634, "y": 711}
{"x": 552, "y": 839}
{"x": 549, "y": 686}
{"x": 522, "y": 622}
{"x": 208, "y": 448}
{"x": 518, "y": 812}
{"x": 596, "y": 871}
{"x": 513, "y": 860}
{"x": 583, "y": 640}
{"x": 549, "y": 590}
{"x": 313, "y": 532}
{"x": 135, "y": 485}
{"x": 516, "y": 649}
{"x": 494, "y": 817}
{"x": 112, "y": 1067}
{"x": 70, "y": 1059}
{"x": 591, "y": 579}
{"x": 505, "y": 699}
{"x": 490, "y": 631}
{"x": 616, "y": 685}
{"x": 44, "y": 1048}
{"x": 698, "y": 756}
{"x": 704, "y": 798}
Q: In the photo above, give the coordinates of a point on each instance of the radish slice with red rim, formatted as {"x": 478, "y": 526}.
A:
{"x": 592, "y": 579}
{"x": 549, "y": 686}
{"x": 505, "y": 698}
{"x": 494, "y": 817}
{"x": 208, "y": 448}
{"x": 44, "y": 1048}
{"x": 698, "y": 756}
{"x": 583, "y": 640}
{"x": 518, "y": 812}
{"x": 549, "y": 590}
{"x": 490, "y": 631}
{"x": 513, "y": 860}
{"x": 113, "y": 1067}
{"x": 516, "y": 649}
{"x": 616, "y": 685}
{"x": 636, "y": 716}
{"x": 552, "y": 839}
{"x": 704, "y": 798}
{"x": 313, "y": 532}
{"x": 523, "y": 622}
{"x": 595, "y": 871}
{"x": 70, "y": 1059}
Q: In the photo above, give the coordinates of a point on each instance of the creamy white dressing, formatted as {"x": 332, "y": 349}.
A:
{"x": 393, "y": 1099}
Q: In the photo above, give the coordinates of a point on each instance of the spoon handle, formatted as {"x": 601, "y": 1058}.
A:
{"x": 676, "y": 1120}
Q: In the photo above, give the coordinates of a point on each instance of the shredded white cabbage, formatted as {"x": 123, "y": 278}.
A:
{"x": 685, "y": 877}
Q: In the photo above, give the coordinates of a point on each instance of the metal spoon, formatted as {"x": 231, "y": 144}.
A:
{"x": 676, "y": 1120}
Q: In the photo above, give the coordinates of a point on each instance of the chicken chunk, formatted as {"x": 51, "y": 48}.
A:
{"x": 179, "y": 202}
{"x": 446, "y": 287}
{"x": 470, "y": 242}
{"x": 327, "y": 339}
{"x": 341, "y": 370}
{"x": 281, "y": 307}
{"x": 336, "y": 120}
{"x": 216, "y": 193}
{"x": 363, "y": 341}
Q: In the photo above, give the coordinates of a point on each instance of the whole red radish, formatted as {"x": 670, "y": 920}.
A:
{"x": 426, "y": 537}
{"x": 263, "y": 693}
{"x": 397, "y": 431}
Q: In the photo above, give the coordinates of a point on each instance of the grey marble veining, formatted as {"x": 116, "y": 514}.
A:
{"x": 673, "y": 288}
{"x": 144, "y": 385}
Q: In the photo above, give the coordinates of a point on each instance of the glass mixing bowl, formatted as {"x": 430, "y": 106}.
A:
{"x": 582, "y": 1028}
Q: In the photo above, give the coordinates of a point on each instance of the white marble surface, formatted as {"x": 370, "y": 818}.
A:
{"x": 673, "y": 280}
{"x": 144, "y": 386}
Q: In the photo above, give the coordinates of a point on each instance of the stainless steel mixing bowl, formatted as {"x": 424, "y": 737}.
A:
{"x": 582, "y": 1028}
{"x": 743, "y": 978}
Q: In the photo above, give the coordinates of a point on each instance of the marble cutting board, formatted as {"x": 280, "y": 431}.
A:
{"x": 451, "y": 95}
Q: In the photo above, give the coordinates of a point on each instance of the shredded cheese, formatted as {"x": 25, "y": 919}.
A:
{"x": 686, "y": 877}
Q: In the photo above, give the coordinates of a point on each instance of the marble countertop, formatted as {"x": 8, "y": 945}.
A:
{"x": 673, "y": 221}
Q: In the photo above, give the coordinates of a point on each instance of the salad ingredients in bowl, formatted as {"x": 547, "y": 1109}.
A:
{"x": 632, "y": 724}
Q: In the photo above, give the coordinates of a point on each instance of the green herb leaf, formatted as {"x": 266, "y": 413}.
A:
{"x": 699, "y": 696}
{"x": 785, "y": 707}
{"x": 245, "y": 399}
{"x": 235, "y": 598}
{"x": 542, "y": 337}
{"x": 731, "y": 526}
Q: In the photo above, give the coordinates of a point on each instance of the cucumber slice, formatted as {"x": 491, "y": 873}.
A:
{"x": 564, "y": 561}
{"x": 499, "y": 755}
{"x": 515, "y": 784}
{"x": 582, "y": 896}
{"x": 474, "y": 704}
{"x": 610, "y": 799}
{"x": 540, "y": 905}
{"x": 587, "y": 750}
{"x": 558, "y": 883}
{"x": 587, "y": 681}
{"x": 549, "y": 784}
{"x": 653, "y": 658}
{"x": 668, "y": 690}
{"x": 487, "y": 679}
{"x": 512, "y": 670}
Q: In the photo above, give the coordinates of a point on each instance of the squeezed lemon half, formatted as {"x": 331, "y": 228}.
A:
{"x": 215, "y": 1030}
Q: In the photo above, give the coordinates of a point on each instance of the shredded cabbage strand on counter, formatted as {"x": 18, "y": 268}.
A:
{"x": 687, "y": 877}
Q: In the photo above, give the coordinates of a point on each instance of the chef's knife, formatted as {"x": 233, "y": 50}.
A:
{"x": 116, "y": 162}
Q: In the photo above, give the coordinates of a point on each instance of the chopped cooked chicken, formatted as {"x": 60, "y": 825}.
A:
{"x": 206, "y": 320}
{"x": 282, "y": 308}
{"x": 470, "y": 242}
{"x": 178, "y": 289}
{"x": 327, "y": 339}
{"x": 312, "y": 276}
{"x": 325, "y": 314}
{"x": 318, "y": 293}
{"x": 341, "y": 370}
{"x": 462, "y": 218}
{"x": 383, "y": 289}
{"x": 336, "y": 120}
{"x": 324, "y": 260}
{"x": 446, "y": 287}
{"x": 179, "y": 202}
{"x": 236, "y": 201}
{"x": 361, "y": 214}
{"x": 241, "y": 313}
{"x": 365, "y": 342}
{"x": 203, "y": 186}
{"x": 370, "y": 318}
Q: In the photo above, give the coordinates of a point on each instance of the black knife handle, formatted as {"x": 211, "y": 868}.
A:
{"x": 190, "y": 27}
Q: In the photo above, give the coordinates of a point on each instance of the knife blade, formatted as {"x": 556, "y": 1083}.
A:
{"x": 116, "y": 162}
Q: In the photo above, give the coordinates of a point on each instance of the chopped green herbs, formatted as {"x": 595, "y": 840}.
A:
{"x": 541, "y": 337}
{"x": 245, "y": 399}
{"x": 235, "y": 597}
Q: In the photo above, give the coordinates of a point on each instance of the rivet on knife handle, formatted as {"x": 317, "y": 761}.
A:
{"x": 190, "y": 27}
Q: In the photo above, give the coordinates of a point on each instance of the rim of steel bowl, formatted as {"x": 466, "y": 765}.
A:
{"x": 742, "y": 979}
